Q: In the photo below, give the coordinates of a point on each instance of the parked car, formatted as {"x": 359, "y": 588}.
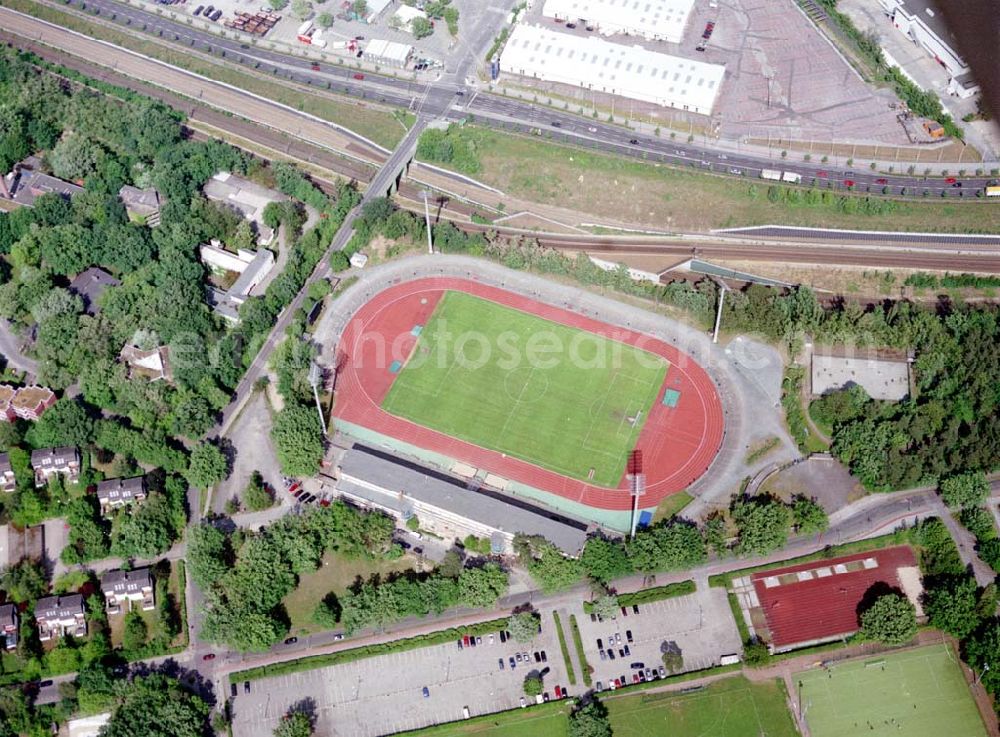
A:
{"x": 618, "y": 638}
{"x": 624, "y": 611}
{"x": 611, "y": 654}
{"x": 649, "y": 674}
{"x": 479, "y": 640}
{"x": 525, "y": 657}
{"x": 593, "y": 617}
{"x": 635, "y": 607}
{"x": 232, "y": 690}
{"x": 208, "y": 656}
{"x": 426, "y": 692}
{"x": 642, "y": 676}
{"x": 663, "y": 672}
{"x": 338, "y": 637}
{"x": 621, "y": 653}
{"x": 460, "y": 647}
{"x": 503, "y": 636}
{"x": 492, "y": 640}
{"x": 628, "y": 635}
{"x": 246, "y": 686}
{"x": 291, "y": 640}
{"x": 600, "y": 643}
{"x": 216, "y": 15}
{"x": 604, "y": 655}
{"x": 465, "y": 639}
{"x": 518, "y": 657}
{"x": 627, "y": 651}
{"x": 197, "y": 11}
{"x": 635, "y": 678}
{"x": 637, "y": 666}
{"x": 209, "y": 10}
{"x": 545, "y": 658}
{"x": 512, "y": 663}
{"x": 500, "y": 662}
{"x": 545, "y": 697}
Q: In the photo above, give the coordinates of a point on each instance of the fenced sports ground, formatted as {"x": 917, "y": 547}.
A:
{"x": 912, "y": 693}
{"x": 443, "y": 364}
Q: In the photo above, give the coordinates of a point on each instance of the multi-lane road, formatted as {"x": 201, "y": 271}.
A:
{"x": 454, "y": 98}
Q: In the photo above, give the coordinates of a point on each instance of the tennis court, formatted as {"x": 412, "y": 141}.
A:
{"x": 914, "y": 693}
{"x": 733, "y": 707}
{"x": 561, "y": 398}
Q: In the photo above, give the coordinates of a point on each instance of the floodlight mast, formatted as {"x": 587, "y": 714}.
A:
{"x": 315, "y": 375}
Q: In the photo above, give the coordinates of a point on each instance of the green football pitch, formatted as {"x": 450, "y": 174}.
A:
{"x": 916, "y": 693}
{"x": 733, "y": 707}
{"x": 575, "y": 405}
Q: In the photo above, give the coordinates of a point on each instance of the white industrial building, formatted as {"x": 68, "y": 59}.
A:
{"x": 920, "y": 22}
{"x": 628, "y": 71}
{"x": 388, "y": 53}
{"x": 656, "y": 20}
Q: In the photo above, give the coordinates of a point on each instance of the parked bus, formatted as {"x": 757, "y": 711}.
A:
{"x": 993, "y": 190}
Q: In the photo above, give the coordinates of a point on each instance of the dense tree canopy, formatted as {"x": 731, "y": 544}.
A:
{"x": 763, "y": 523}
{"x": 891, "y": 619}
{"x": 156, "y": 706}
{"x": 298, "y": 439}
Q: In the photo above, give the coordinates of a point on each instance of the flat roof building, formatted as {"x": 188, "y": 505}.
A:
{"x": 388, "y": 53}
{"x": 594, "y": 64}
{"x": 655, "y": 20}
{"x": 920, "y": 21}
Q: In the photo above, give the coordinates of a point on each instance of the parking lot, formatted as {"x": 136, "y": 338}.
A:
{"x": 700, "y": 625}
{"x": 384, "y": 694}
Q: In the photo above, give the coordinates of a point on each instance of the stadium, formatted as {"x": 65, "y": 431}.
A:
{"x": 525, "y": 397}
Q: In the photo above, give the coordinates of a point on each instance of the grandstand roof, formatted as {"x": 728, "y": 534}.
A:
{"x": 629, "y": 71}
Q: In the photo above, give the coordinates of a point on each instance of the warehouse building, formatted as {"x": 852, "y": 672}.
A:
{"x": 920, "y": 22}
{"x": 655, "y": 20}
{"x": 388, "y": 53}
{"x": 594, "y": 64}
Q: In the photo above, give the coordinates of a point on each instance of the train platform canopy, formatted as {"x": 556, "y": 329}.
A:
{"x": 656, "y": 20}
{"x": 594, "y": 64}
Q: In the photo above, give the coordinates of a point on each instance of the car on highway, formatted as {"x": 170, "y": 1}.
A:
{"x": 881, "y": 180}
{"x": 848, "y": 182}
{"x": 338, "y": 637}
{"x": 950, "y": 180}
{"x": 359, "y": 76}
{"x": 426, "y": 692}
{"x": 737, "y": 172}
{"x": 592, "y": 129}
{"x": 459, "y": 93}
{"x": 957, "y": 184}
{"x": 556, "y": 124}
{"x": 208, "y": 656}
{"x": 634, "y": 141}
{"x": 314, "y": 66}
{"x": 571, "y": 25}
{"x": 291, "y": 640}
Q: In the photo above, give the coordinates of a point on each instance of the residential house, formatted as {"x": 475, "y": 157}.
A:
{"x": 48, "y": 462}
{"x": 90, "y": 285}
{"x": 60, "y": 615}
{"x": 115, "y": 493}
{"x": 252, "y": 268}
{"x": 247, "y": 197}
{"x": 125, "y": 587}
{"x": 27, "y": 182}
{"x": 153, "y": 364}
{"x": 8, "y": 626}
{"x": 30, "y": 402}
{"x": 142, "y": 204}
{"x": 7, "y": 481}
{"x": 7, "y": 393}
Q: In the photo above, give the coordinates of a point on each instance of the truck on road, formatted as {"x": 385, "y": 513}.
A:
{"x": 772, "y": 174}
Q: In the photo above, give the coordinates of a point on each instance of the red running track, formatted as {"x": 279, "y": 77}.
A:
{"x": 678, "y": 444}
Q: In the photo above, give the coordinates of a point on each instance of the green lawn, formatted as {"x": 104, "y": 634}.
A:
{"x": 335, "y": 574}
{"x": 917, "y": 693}
{"x": 560, "y": 398}
{"x": 548, "y": 720}
{"x": 733, "y": 707}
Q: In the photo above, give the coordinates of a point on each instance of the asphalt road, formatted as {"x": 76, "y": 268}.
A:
{"x": 515, "y": 114}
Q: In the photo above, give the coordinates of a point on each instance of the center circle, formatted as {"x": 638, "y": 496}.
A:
{"x": 526, "y": 384}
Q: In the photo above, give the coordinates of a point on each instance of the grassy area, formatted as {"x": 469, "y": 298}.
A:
{"x": 570, "y": 673}
{"x": 917, "y": 693}
{"x": 581, "y": 655}
{"x": 672, "y": 506}
{"x": 733, "y": 707}
{"x": 597, "y": 392}
{"x": 795, "y": 415}
{"x": 382, "y": 126}
{"x": 368, "y": 651}
{"x": 335, "y": 574}
{"x": 761, "y": 449}
{"x": 532, "y": 168}
{"x": 544, "y": 720}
